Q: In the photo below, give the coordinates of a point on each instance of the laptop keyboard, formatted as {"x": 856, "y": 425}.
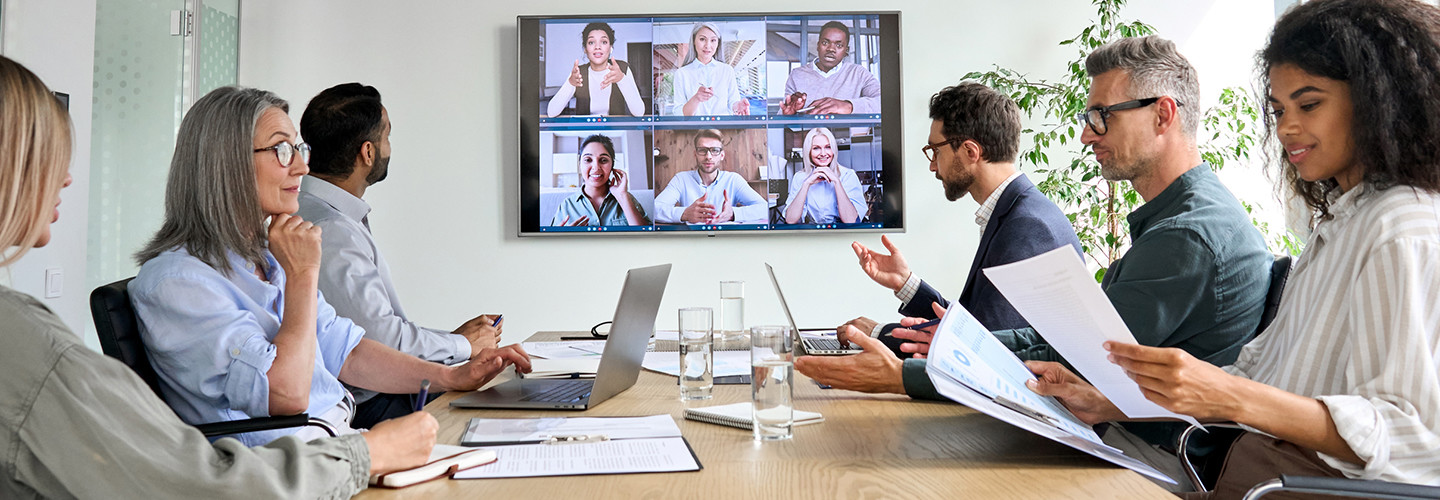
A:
{"x": 825, "y": 344}
{"x": 565, "y": 392}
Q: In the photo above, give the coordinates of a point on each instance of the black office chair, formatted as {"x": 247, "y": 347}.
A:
{"x": 1203, "y": 475}
{"x": 120, "y": 339}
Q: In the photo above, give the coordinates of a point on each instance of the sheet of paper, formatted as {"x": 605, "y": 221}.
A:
{"x": 1061, "y": 300}
{"x": 482, "y": 431}
{"x": 610, "y": 457}
{"x": 726, "y": 363}
{"x": 667, "y": 335}
{"x": 566, "y": 349}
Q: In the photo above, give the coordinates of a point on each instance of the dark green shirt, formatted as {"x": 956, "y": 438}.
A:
{"x": 1195, "y": 278}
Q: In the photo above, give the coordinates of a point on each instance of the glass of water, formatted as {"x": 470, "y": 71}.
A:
{"x": 696, "y": 364}
{"x": 772, "y": 372}
{"x": 732, "y": 311}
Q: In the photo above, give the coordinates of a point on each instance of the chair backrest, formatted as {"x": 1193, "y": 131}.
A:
{"x": 118, "y": 331}
{"x": 1279, "y": 274}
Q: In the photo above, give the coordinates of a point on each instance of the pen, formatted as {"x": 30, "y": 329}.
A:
{"x": 497, "y": 320}
{"x": 926, "y": 324}
{"x": 424, "y": 394}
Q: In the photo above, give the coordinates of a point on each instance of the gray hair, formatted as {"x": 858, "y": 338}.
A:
{"x": 1156, "y": 69}
{"x": 211, "y": 207}
{"x": 719, "y": 43}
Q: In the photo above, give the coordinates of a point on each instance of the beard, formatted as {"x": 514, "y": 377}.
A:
{"x": 957, "y": 187}
{"x": 379, "y": 171}
{"x": 1126, "y": 169}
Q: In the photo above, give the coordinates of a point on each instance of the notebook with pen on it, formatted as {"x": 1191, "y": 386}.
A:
{"x": 445, "y": 461}
{"x": 739, "y": 415}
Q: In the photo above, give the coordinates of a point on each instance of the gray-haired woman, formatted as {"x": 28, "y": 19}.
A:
{"x": 228, "y": 306}
{"x": 705, "y": 84}
{"x": 77, "y": 424}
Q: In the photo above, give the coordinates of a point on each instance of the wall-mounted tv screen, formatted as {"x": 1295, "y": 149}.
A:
{"x": 713, "y": 123}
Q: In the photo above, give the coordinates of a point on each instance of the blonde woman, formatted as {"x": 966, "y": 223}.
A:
{"x": 705, "y": 84}
{"x": 816, "y": 191}
{"x": 77, "y": 424}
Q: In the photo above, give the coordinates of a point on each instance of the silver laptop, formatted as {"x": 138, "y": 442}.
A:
{"x": 619, "y": 364}
{"x": 828, "y": 346}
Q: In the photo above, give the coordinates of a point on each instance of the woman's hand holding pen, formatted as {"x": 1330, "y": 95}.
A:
{"x": 401, "y": 443}
{"x": 484, "y": 366}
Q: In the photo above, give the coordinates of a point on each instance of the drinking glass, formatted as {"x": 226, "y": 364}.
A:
{"x": 696, "y": 364}
{"x": 772, "y": 373}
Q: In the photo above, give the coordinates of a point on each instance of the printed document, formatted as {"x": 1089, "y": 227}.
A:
{"x": 491, "y": 431}
{"x": 1061, "y": 300}
{"x": 607, "y": 457}
{"x": 971, "y": 367}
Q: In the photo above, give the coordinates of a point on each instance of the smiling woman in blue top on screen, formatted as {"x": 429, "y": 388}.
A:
{"x": 605, "y": 199}
{"x": 815, "y": 191}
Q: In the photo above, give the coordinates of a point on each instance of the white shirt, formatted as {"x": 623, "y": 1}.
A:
{"x": 982, "y": 215}
{"x": 1359, "y": 329}
{"x": 599, "y": 95}
{"x": 717, "y": 75}
{"x": 355, "y": 279}
{"x": 685, "y": 188}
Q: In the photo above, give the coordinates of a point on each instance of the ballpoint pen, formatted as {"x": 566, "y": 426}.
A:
{"x": 424, "y": 394}
{"x": 497, "y": 320}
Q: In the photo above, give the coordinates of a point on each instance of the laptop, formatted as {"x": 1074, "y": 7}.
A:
{"x": 619, "y": 364}
{"x": 827, "y": 346}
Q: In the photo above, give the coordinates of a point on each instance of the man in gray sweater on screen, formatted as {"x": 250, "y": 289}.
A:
{"x": 830, "y": 85}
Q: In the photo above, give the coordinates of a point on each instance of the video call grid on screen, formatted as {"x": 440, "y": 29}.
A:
{"x": 744, "y": 68}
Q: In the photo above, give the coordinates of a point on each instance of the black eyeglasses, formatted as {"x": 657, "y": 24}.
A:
{"x": 930, "y": 148}
{"x": 285, "y": 152}
{"x": 1095, "y": 117}
{"x": 710, "y": 151}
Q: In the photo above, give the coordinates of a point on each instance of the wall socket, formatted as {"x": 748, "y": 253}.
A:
{"x": 54, "y": 282}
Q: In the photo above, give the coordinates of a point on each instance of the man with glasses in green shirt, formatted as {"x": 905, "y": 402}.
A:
{"x": 1197, "y": 270}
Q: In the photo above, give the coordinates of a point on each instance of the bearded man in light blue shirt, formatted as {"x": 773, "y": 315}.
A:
{"x": 348, "y": 130}
{"x": 708, "y": 194}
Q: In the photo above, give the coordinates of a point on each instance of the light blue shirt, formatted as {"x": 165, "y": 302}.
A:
{"x": 208, "y": 336}
{"x": 717, "y": 75}
{"x": 820, "y": 202}
{"x": 577, "y": 205}
{"x": 356, "y": 280}
{"x": 685, "y": 188}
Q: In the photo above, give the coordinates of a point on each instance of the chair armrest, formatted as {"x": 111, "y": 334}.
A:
{"x": 1343, "y": 486}
{"x": 263, "y": 424}
{"x": 1182, "y": 451}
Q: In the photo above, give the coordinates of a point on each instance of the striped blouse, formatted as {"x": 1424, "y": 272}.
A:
{"x": 1359, "y": 329}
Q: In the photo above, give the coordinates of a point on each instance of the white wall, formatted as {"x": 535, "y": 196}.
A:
{"x": 56, "y": 40}
{"x": 446, "y": 217}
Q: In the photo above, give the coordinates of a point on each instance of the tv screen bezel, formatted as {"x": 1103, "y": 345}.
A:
{"x": 891, "y": 123}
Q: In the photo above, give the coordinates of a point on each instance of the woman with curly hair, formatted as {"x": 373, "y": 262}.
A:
{"x": 1344, "y": 382}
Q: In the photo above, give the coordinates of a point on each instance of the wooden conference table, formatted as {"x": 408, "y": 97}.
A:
{"x": 870, "y": 446}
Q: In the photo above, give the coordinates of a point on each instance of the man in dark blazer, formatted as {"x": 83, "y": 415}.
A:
{"x": 974, "y": 139}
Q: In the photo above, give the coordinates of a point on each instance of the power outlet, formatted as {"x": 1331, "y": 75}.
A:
{"x": 54, "y": 282}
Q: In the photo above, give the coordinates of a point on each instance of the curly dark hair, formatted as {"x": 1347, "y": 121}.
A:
{"x": 1388, "y": 51}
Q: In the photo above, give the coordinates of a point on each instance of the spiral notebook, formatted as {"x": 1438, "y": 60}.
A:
{"x": 738, "y": 415}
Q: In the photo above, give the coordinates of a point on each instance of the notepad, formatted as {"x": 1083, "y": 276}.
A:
{"x": 739, "y": 415}
{"x": 445, "y": 461}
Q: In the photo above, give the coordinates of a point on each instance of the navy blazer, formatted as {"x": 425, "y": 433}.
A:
{"x": 1024, "y": 224}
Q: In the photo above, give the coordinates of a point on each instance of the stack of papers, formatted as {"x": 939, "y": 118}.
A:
{"x": 566, "y": 349}
{"x": 971, "y": 367}
{"x": 725, "y": 364}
